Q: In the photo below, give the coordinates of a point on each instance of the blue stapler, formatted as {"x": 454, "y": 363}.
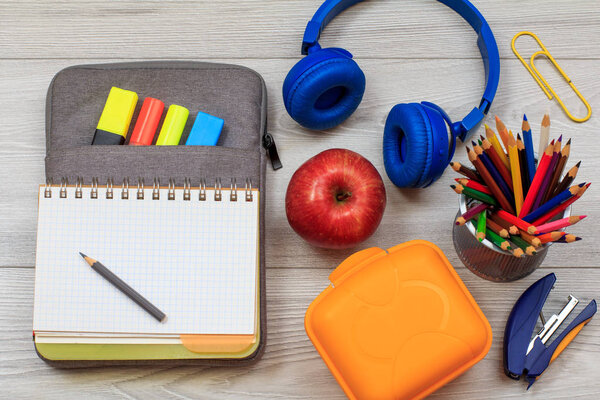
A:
{"x": 526, "y": 356}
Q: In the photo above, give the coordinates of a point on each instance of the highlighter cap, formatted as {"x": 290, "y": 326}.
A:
{"x": 147, "y": 122}
{"x": 118, "y": 111}
{"x": 173, "y": 126}
{"x": 206, "y": 130}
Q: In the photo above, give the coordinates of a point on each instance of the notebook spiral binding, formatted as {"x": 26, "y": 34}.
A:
{"x": 140, "y": 193}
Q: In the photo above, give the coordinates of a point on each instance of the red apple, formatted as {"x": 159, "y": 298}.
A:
{"x": 335, "y": 199}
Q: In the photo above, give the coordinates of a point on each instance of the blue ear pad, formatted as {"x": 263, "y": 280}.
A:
{"x": 407, "y": 145}
{"x": 440, "y": 156}
{"x": 323, "y": 89}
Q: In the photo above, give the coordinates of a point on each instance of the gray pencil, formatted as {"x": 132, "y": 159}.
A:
{"x": 125, "y": 288}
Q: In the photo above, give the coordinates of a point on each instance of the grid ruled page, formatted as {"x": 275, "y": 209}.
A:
{"x": 197, "y": 261}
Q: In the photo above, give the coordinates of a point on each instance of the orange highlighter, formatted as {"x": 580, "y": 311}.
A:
{"x": 147, "y": 122}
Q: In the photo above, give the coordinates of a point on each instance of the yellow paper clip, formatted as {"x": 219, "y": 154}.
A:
{"x": 542, "y": 81}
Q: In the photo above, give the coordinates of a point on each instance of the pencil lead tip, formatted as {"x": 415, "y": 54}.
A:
{"x": 519, "y": 136}
{"x": 486, "y": 126}
{"x": 473, "y": 143}
{"x": 82, "y": 255}
{"x": 560, "y": 138}
{"x": 569, "y": 141}
{"x": 524, "y": 117}
{"x": 453, "y": 186}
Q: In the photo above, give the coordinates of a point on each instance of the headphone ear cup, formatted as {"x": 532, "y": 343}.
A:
{"x": 407, "y": 145}
{"x": 323, "y": 89}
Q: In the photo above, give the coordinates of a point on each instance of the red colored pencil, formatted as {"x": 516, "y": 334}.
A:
{"x": 540, "y": 173}
{"x": 561, "y": 208}
{"x": 526, "y": 226}
{"x": 474, "y": 185}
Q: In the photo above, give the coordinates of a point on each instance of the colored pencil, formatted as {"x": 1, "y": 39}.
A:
{"x": 481, "y": 225}
{"x": 567, "y": 179}
{"x": 518, "y": 252}
{"x": 494, "y": 226}
{"x": 466, "y": 171}
{"x": 528, "y": 142}
{"x": 532, "y": 240}
{"x": 489, "y": 181}
{"x": 528, "y": 248}
{"x": 474, "y": 194}
{"x": 560, "y": 166}
{"x": 473, "y": 185}
{"x": 560, "y": 223}
{"x": 515, "y": 170}
{"x": 548, "y": 177}
{"x": 125, "y": 288}
{"x": 502, "y": 131}
{"x": 505, "y": 186}
{"x": 498, "y": 163}
{"x": 470, "y": 213}
{"x": 512, "y": 229}
{"x": 568, "y": 238}
{"x": 523, "y": 164}
{"x": 540, "y": 173}
{"x": 491, "y": 136}
{"x": 561, "y": 208}
{"x": 544, "y": 134}
{"x": 551, "y": 236}
{"x": 552, "y": 203}
{"x": 524, "y": 225}
{"x": 497, "y": 240}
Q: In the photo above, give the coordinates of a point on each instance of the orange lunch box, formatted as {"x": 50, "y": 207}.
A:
{"x": 397, "y": 324}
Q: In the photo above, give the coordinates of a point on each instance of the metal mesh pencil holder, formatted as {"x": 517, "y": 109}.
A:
{"x": 486, "y": 260}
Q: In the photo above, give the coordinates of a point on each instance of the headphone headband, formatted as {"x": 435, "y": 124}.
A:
{"x": 485, "y": 41}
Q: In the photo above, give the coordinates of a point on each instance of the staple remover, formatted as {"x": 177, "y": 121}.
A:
{"x": 526, "y": 356}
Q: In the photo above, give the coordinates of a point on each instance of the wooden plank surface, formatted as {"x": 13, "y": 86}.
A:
{"x": 410, "y": 51}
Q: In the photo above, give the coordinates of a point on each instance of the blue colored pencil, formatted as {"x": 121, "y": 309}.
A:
{"x": 487, "y": 162}
{"x": 553, "y": 202}
{"x": 528, "y": 142}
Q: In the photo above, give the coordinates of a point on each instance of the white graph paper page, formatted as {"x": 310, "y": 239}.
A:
{"x": 195, "y": 260}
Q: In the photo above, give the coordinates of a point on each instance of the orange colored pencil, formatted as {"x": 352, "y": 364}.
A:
{"x": 496, "y": 160}
{"x": 502, "y": 131}
{"x": 540, "y": 173}
{"x": 535, "y": 241}
{"x": 491, "y": 136}
{"x": 551, "y": 236}
{"x": 487, "y": 178}
{"x": 474, "y": 185}
{"x": 499, "y": 229}
{"x": 515, "y": 169}
{"x": 523, "y": 225}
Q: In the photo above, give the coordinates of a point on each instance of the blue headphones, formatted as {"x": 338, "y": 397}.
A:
{"x": 326, "y": 86}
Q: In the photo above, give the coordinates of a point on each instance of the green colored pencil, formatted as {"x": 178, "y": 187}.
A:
{"x": 527, "y": 248}
{"x": 497, "y": 240}
{"x": 474, "y": 194}
{"x": 481, "y": 225}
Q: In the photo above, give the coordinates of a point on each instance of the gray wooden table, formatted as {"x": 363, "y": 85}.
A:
{"x": 410, "y": 50}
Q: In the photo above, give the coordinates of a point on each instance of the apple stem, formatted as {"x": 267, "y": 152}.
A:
{"x": 343, "y": 196}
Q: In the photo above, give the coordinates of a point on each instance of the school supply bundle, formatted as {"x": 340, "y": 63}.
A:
{"x": 324, "y": 88}
{"x": 397, "y": 323}
{"x": 181, "y": 227}
{"x": 525, "y": 199}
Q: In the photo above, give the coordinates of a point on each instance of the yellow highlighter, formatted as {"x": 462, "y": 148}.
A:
{"x": 114, "y": 122}
{"x": 173, "y": 126}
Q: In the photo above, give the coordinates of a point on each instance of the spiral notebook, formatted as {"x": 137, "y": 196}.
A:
{"x": 191, "y": 251}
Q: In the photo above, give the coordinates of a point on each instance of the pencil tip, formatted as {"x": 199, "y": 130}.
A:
{"x": 453, "y": 186}
{"x": 569, "y": 141}
{"x": 524, "y": 117}
{"x": 518, "y": 136}
{"x": 82, "y": 255}
{"x": 560, "y": 138}
{"x": 578, "y": 164}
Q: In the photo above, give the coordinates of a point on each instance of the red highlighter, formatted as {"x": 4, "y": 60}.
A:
{"x": 147, "y": 122}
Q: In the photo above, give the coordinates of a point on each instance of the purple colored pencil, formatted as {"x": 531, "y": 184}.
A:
{"x": 470, "y": 213}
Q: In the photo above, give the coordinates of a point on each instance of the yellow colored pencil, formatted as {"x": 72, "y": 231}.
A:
{"x": 491, "y": 136}
{"x": 515, "y": 170}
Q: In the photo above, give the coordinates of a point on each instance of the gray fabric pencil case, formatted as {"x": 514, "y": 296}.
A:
{"x": 236, "y": 94}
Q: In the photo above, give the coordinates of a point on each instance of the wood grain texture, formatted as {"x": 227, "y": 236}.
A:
{"x": 273, "y": 29}
{"x": 410, "y": 50}
{"x": 291, "y": 367}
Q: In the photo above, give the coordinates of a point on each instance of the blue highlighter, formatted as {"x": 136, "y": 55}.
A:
{"x": 205, "y": 131}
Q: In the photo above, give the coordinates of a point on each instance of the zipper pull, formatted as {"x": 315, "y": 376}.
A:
{"x": 269, "y": 144}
